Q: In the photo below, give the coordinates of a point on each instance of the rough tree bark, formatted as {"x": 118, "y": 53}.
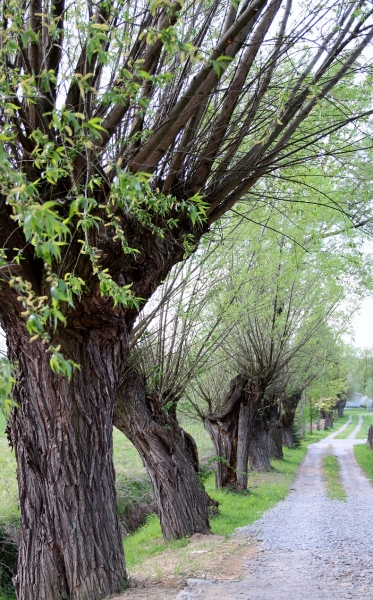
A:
{"x": 275, "y": 433}
{"x": 258, "y": 448}
{"x": 62, "y": 435}
{"x": 289, "y": 407}
{"x": 328, "y": 416}
{"x": 275, "y": 442}
{"x": 260, "y": 428}
{"x": 230, "y": 430}
{"x": 341, "y": 403}
{"x": 229, "y": 433}
{"x": 170, "y": 457}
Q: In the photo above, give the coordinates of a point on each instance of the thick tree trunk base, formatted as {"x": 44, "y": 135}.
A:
{"x": 169, "y": 460}
{"x": 70, "y": 545}
{"x": 287, "y": 437}
{"x": 275, "y": 442}
{"x": 328, "y": 416}
{"x": 289, "y": 407}
{"x": 258, "y": 452}
{"x": 229, "y": 431}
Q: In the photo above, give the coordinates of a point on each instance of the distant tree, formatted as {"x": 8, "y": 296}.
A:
{"x": 283, "y": 298}
{"x": 327, "y": 391}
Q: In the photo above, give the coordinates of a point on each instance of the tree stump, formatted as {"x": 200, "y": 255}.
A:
{"x": 370, "y": 437}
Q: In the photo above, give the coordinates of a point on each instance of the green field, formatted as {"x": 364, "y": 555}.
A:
{"x": 367, "y": 421}
{"x": 364, "y": 457}
{"x": 8, "y": 481}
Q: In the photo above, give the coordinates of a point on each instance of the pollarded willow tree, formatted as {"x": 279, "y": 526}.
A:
{"x": 283, "y": 297}
{"x": 170, "y": 345}
{"x": 126, "y": 131}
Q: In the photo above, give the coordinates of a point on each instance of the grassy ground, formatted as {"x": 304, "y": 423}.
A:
{"x": 9, "y": 512}
{"x": 8, "y": 481}
{"x": 344, "y": 435}
{"x": 367, "y": 421}
{"x": 236, "y": 510}
{"x": 331, "y": 470}
{"x": 364, "y": 457}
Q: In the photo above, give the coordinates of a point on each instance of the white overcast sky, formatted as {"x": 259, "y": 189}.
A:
{"x": 362, "y": 325}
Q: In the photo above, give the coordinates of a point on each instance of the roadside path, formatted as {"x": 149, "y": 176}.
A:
{"x": 310, "y": 547}
{"x": 353, "y": 435}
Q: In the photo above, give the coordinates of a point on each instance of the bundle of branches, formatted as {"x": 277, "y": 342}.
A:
{"x": 170, "y": 345}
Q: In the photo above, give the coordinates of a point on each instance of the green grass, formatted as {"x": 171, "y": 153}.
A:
{"x": 147, "y": 541}
{"x": 8, "y": 481}
{"x": 364, "y": 457}
{"x": 200, "y": 436}
{"x": 9, "y": 511}
{"x": 367, "y": 421}
{"x": 127, "y": 460}
{"x": 235, "y": 509}
{"x": 344, "y": 435}
{"x": 331, "y": 470}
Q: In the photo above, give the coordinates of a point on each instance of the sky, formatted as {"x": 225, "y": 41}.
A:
{"x": 362, "y": 325}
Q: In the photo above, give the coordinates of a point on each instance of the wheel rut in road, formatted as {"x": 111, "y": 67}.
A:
{"x": 309, "y": 547}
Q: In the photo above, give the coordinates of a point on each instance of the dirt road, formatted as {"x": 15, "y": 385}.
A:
{"x": 309, "y": 547}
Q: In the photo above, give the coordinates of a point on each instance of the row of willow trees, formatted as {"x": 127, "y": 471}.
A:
{"x": 128, "y": 130}
{"x": 233, "y": 339}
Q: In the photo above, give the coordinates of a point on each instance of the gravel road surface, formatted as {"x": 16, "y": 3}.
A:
{"x": 310, "y": 547}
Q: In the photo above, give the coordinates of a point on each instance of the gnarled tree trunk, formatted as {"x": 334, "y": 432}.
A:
{"x": 289, "y": 406}
{"x": 170, "y": 457}
{"x": 239, "y": 432}
{"x": 70, "y": 545}
{"x": 259, "y": 450}
{"x": 229, "y": 432}
{"x": 341, "y": 403}
{"x": 262, "y": 421}
{"x": 328, "y": 416}
{"x": 275, "y": 433}
{"x": 275, "y": 442}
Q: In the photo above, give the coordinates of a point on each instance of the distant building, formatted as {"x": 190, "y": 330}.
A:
{"x": 355, "y": 401}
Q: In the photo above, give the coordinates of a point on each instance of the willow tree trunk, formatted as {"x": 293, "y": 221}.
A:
{"x": 259, "y": 449}
{"x": 262, "y": 419}
{"x": 275, "y": 442}
{"x": 289, "y": 407}
{"x": 341, "y": 403}
{"x": 275, "y": 432}
{"x": 229, "y": 430}
{"x": 70, "y": 545}
{"x": 169, "y": 456}
{"x": 328, "y": 416}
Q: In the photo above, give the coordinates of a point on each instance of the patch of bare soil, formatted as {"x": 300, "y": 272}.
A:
{"x": 206, "y": 557}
